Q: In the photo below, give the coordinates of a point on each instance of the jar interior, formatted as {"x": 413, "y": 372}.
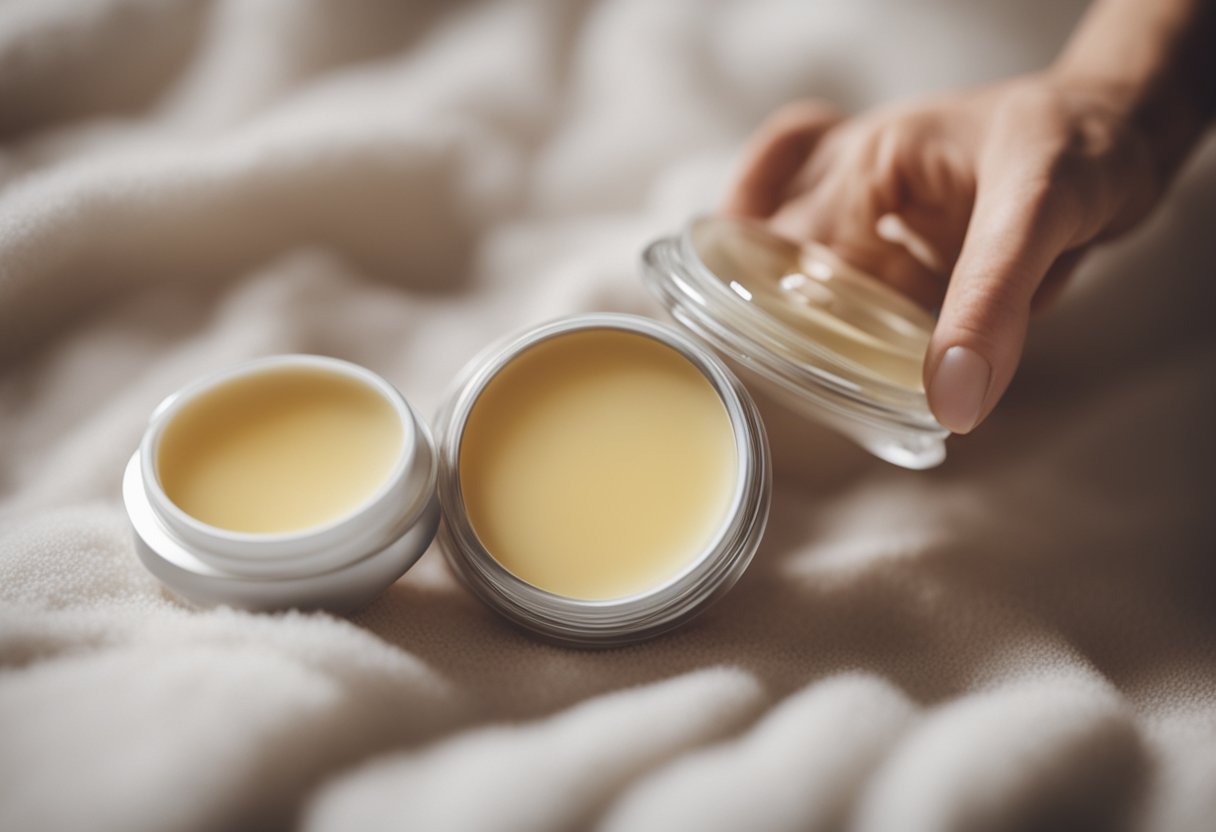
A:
{"x": 597, "y": 464}
{"x": 280, "y": 450}
{"x": 831, "y": 307}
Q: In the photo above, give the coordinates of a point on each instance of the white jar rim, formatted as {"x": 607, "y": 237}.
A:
{"x": 618, "y": 620}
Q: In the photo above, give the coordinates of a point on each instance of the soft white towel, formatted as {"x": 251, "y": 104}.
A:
{"x": 1023, "y": 638}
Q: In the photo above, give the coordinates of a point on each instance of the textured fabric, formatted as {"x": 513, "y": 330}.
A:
{"x": 1022, "y": 638}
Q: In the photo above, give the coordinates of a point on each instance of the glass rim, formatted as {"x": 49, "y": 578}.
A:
{"x": 830, "y": 391}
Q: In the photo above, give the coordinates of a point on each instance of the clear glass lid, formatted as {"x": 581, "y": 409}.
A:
{"x": 835, "y": 343}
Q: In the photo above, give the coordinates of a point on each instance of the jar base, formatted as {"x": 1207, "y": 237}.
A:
{"x": 342, "y": 590}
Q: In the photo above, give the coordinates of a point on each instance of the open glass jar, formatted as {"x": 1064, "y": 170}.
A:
{"x": 833, "y": 343}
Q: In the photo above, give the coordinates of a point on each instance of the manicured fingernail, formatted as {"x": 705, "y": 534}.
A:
{"x": 958, "y": 389}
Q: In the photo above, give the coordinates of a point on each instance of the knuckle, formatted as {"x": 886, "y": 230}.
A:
{"x": 800, "y": 114}
{"x": 988, "y": 322}
{"x": 1048, "y": 201}
{"x": 992, "y": 305}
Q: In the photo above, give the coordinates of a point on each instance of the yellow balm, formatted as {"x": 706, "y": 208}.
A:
{"x": 598, "y": 464}
{"x": 279, "y": 450}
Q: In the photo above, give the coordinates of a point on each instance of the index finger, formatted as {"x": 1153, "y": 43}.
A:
{"x": 774, "y": 154}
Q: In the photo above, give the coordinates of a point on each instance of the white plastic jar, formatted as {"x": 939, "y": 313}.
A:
{"x": 338, "y": 564}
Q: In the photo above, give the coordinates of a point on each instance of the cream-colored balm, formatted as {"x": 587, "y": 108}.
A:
{"x": 279, "y": 451}
{"x": 598, "y": 464}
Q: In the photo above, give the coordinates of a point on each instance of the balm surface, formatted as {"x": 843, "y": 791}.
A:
{"x": 597, "y": 464}
{"x": 279, "y": 450}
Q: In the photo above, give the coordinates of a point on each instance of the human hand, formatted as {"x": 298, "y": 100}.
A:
{"x": 1003, "y": 188}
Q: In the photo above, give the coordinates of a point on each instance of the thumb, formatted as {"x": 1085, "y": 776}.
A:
{"x": 1018, "y": 228}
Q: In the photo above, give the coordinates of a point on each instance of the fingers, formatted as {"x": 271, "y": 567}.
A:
{"x": 1018, "y": 230}
{"x": 894, "y": 229}
{"x": 836, "y": 189}
{"x": 774, "y": 156}
{"x": 893, "y": 264}
{"x": 845, "y": 212}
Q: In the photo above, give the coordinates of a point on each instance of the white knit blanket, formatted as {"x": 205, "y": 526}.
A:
{"x": 1022, "y": 638}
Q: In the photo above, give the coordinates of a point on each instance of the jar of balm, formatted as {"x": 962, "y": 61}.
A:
{"x": 292, "y": 481}
{"x": 603, "y": 479}
{"x": 835, "y": 344}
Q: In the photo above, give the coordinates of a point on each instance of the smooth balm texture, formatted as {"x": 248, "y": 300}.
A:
{"x": 279, "y": 450}
{"x": 598, "y": 464}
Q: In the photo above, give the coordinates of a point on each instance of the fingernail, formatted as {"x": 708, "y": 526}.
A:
{"x": 958, "y": 389}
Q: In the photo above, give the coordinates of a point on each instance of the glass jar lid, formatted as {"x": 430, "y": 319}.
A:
{"x": 834, "y": 343}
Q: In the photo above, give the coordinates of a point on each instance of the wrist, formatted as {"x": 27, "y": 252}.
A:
{"x": 1148, "y": 65}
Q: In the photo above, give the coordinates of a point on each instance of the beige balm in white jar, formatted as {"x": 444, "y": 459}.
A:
{"x": 292, "y": 481}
